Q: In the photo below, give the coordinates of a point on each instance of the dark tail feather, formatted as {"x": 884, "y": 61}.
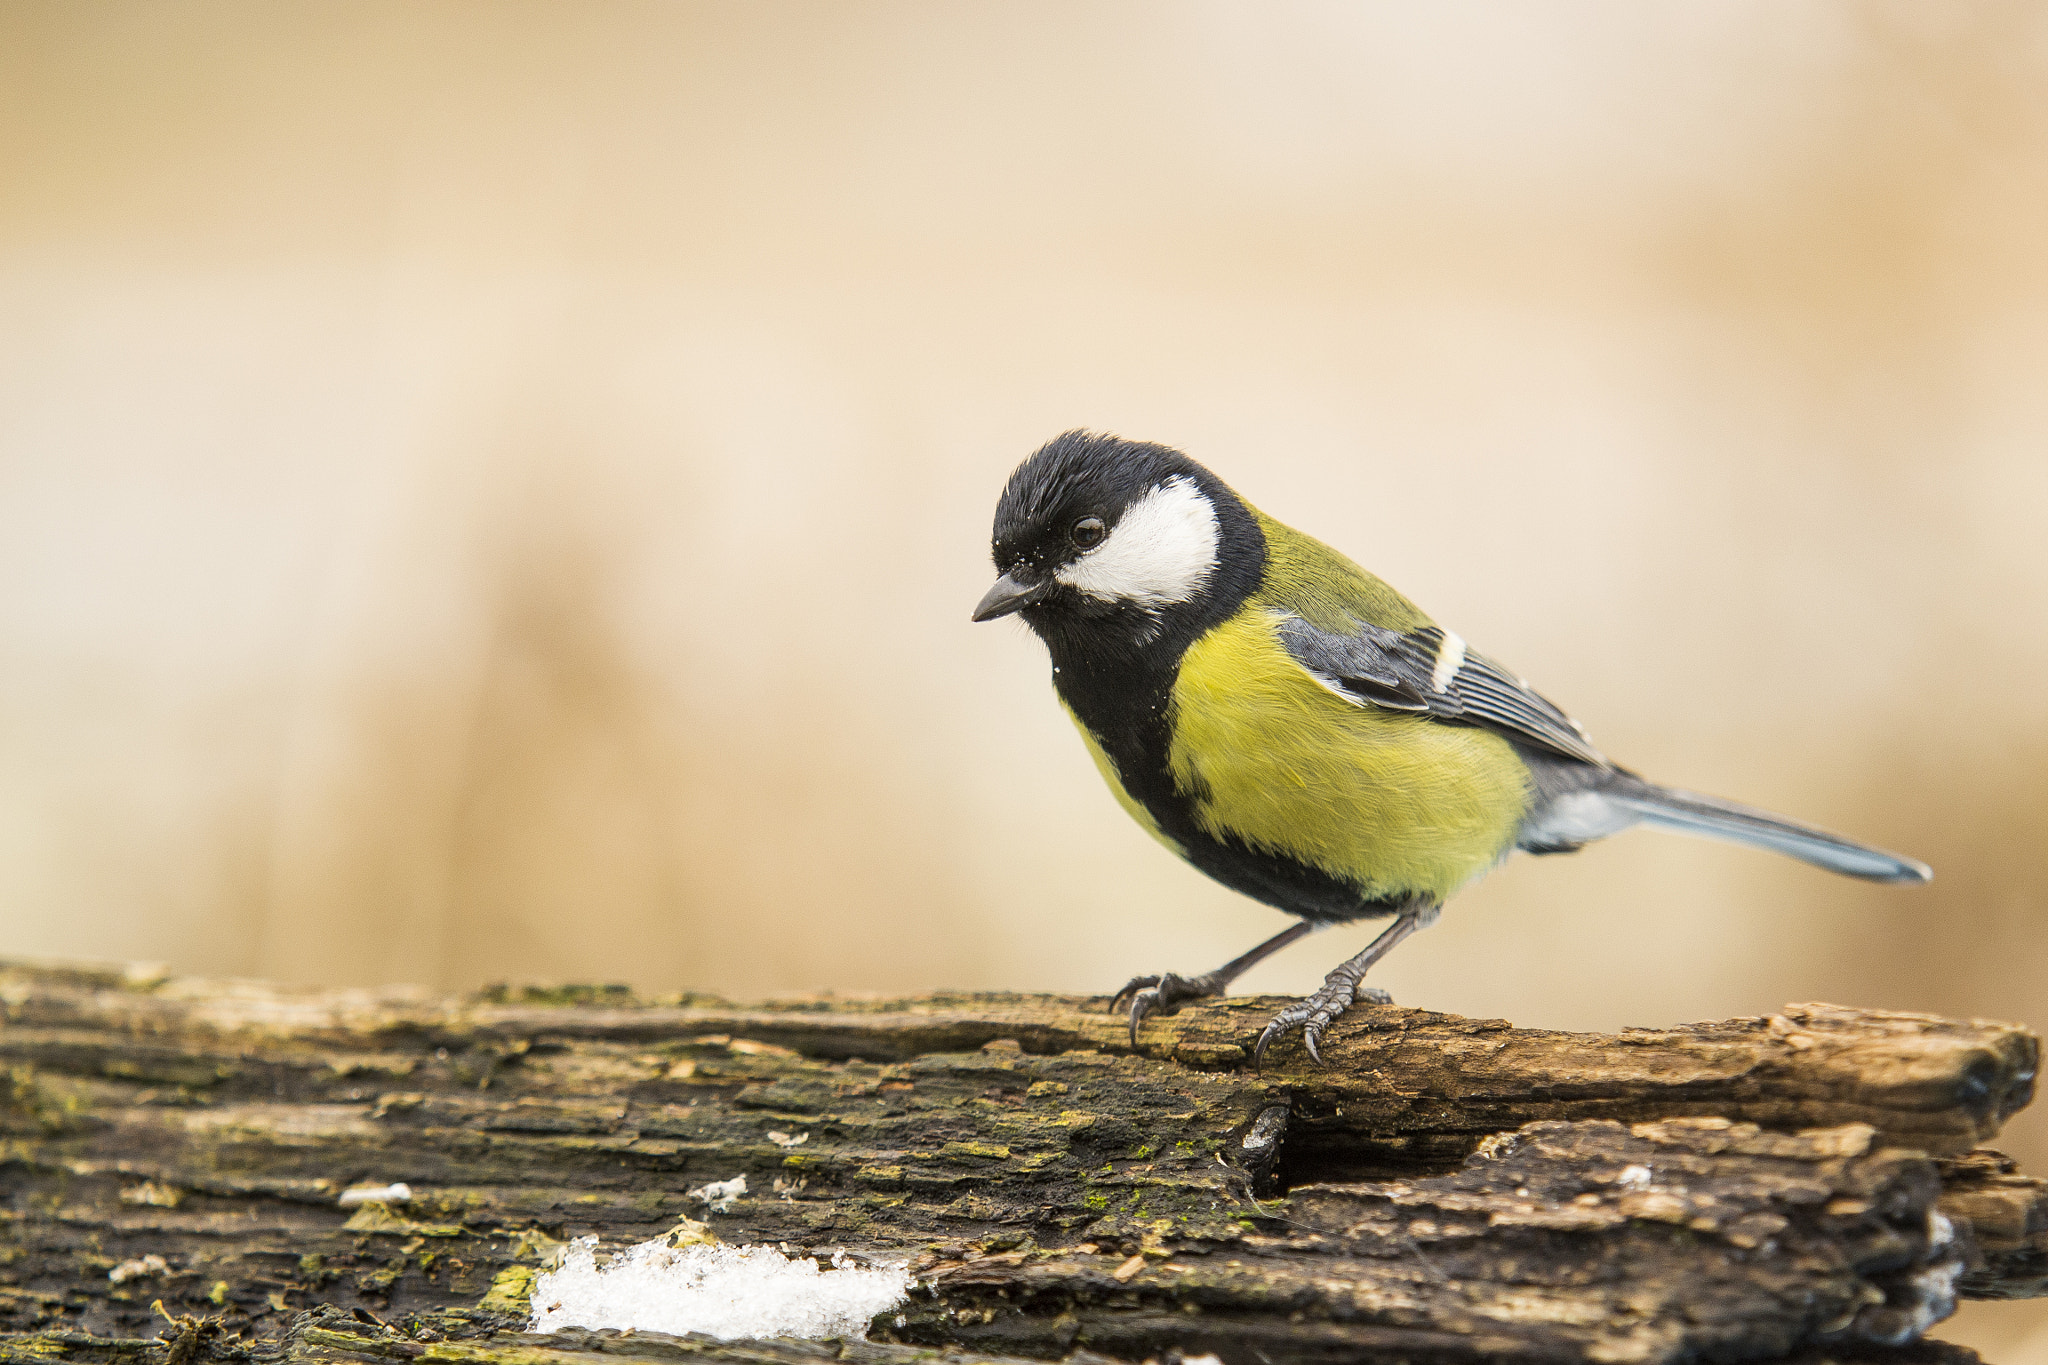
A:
{"x": 1690, "y": 813}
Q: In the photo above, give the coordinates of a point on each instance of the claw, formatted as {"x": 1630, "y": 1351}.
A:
{"x": 1130, "y": 992}
{"x": 1161, "y": 994}
{"x": 1141, "y": 1005}
{"x": 1265, "y": 1041}
{"x": 1313, "y": 1016}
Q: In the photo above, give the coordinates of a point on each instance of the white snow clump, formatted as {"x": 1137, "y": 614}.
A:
{"x": 718, "y": 1196}
{"x": 723, "y": 1291}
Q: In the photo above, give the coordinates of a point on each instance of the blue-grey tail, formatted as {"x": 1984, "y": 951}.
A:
{"x": 1713, "y": 818}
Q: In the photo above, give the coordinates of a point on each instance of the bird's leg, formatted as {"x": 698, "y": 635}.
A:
{"x": 1340, "y": 989}
{"x": 1166, "y": 992}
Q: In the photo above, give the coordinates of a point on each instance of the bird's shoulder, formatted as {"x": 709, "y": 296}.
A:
{"x": 1308, "y": 579}
{"x": 1371, "y": 646}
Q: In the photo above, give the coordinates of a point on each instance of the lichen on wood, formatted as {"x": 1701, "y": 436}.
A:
{"x": 1446, "y": 1189}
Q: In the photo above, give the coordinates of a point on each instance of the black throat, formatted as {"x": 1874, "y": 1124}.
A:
{"x": 1116, "y": 668}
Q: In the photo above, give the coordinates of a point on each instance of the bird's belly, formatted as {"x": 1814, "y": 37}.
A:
{"x": 1394, "y": 804}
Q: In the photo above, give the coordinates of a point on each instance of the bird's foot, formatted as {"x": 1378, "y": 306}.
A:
{"x": 1316, "y": 1012}
{"x": 1161, "y": 994}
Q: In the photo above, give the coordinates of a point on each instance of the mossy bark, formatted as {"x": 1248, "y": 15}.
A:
{"x": 1446, "y": 1189}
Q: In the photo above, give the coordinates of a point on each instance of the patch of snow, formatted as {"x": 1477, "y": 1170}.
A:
{"x": 723, "y": 1291}
{"x": 397, "y": 1193}
{"x": 718, "y": 1196}
{"x": 141, "y": 1268}
{"x": 1934, "y": 1286}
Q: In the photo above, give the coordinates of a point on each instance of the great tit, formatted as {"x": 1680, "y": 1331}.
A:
{"x": 1297, "y": 729}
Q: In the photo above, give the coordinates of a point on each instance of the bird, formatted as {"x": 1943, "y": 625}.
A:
{"x": 1298, "y": 730}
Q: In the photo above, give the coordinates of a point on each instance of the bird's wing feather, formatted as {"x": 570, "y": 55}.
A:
{"x": 1429, "y": 670}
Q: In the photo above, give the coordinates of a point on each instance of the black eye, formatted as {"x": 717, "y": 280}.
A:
{"x": 1088, "y": 532}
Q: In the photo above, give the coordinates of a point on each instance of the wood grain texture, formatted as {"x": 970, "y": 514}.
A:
{"x": 1748, "y": 1188}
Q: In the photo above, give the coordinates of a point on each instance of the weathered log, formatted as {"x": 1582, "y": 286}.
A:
{"x": 1060, "y": 1191}
{"x": 326, "y": 1335}
{"x": 2008, "y": 1218}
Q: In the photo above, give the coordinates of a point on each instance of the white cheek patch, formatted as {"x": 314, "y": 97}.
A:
{"x": 1162, "y": 550}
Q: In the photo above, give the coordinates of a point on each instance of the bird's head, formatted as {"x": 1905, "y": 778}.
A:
{"x": 1107, "y": 535}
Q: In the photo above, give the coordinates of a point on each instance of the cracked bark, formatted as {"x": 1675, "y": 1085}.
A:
{"x": 1446, "y": 1189}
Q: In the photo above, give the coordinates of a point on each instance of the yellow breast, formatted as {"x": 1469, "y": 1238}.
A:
{"x": 1394, "y": 803}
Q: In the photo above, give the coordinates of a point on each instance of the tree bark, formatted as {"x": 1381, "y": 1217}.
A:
{"x": 1445, "y": 1189}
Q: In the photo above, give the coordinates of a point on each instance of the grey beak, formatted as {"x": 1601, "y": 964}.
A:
{"x": 1009, "y": 595}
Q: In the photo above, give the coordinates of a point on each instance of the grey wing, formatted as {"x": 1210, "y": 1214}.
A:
{"x": 1430, "y": 671}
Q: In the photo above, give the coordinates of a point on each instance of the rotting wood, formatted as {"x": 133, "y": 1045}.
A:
{"x": 2008, "y": 1217}
{"x": 326, "y": 1335}
{"x": 1020, "y": 1153}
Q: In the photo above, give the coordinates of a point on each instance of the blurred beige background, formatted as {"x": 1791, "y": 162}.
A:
{"x": 495, "y": 491}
